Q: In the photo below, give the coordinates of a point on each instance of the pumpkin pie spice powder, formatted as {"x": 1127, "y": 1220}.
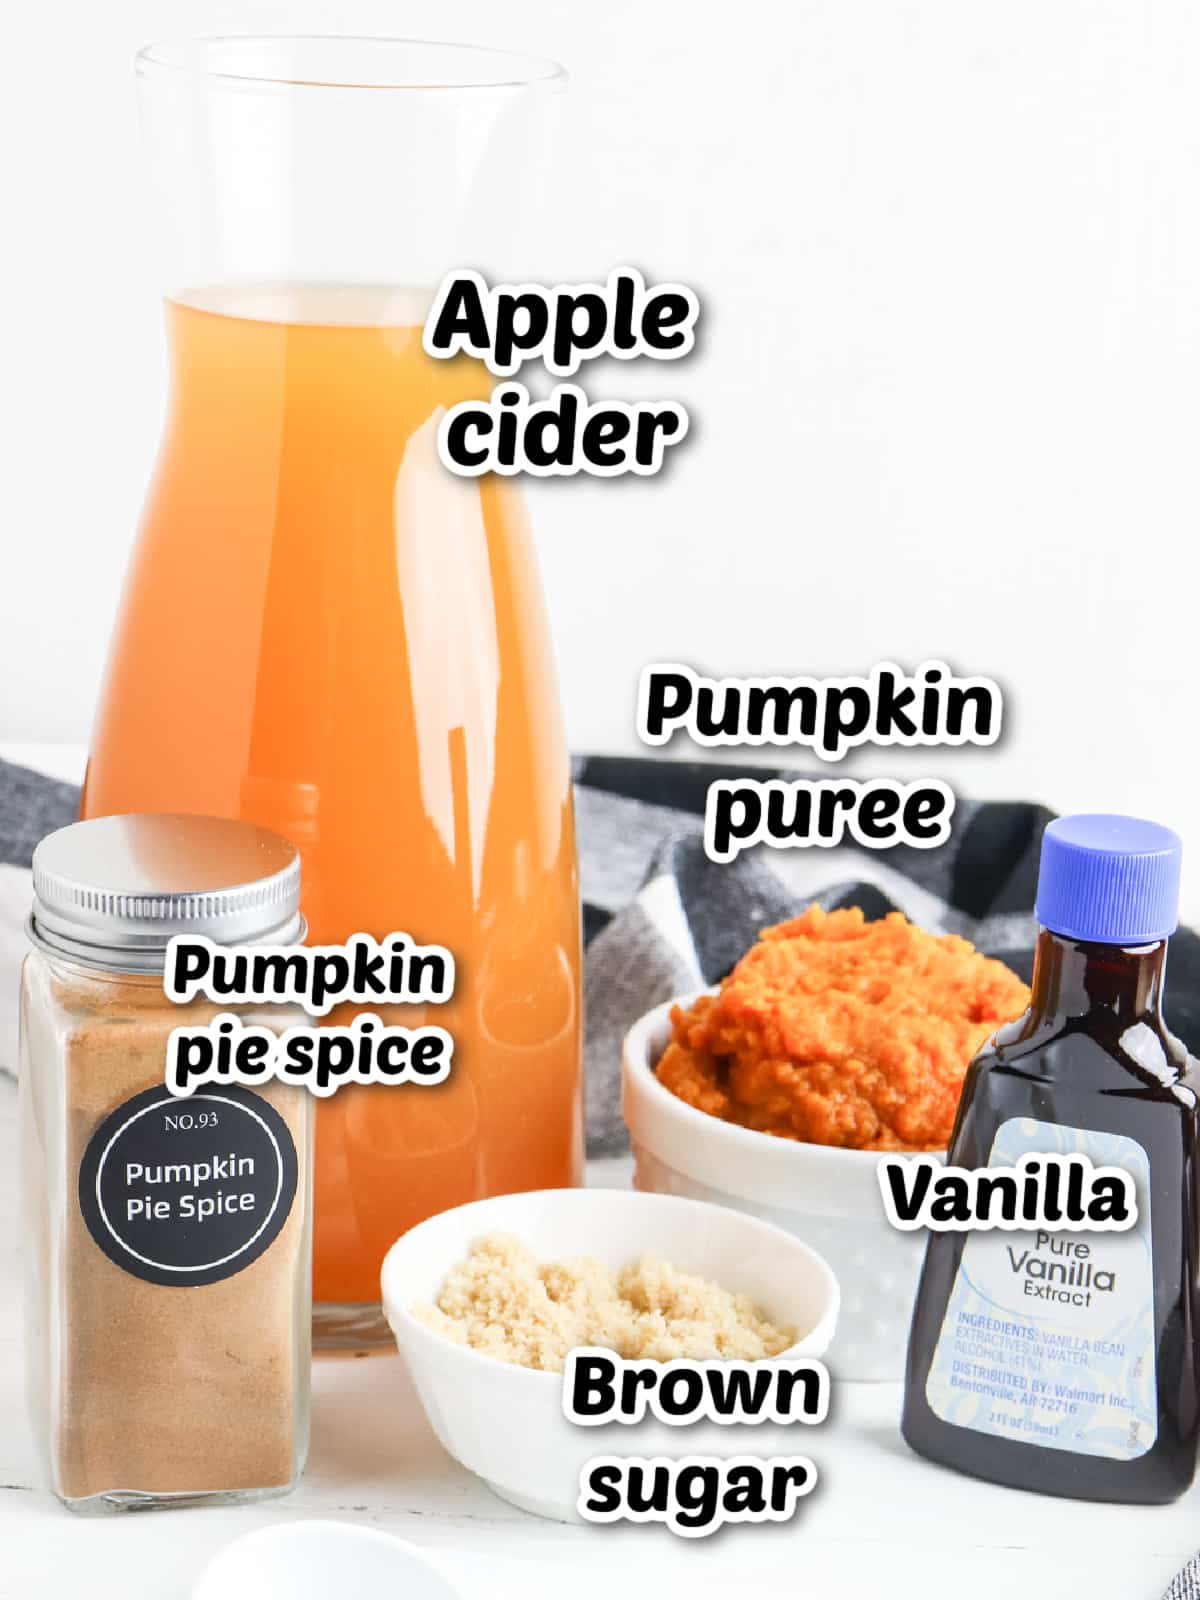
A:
{"x": 173, "y": 1389}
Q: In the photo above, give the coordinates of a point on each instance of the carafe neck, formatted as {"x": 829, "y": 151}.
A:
{"x": 1077, "y": 979}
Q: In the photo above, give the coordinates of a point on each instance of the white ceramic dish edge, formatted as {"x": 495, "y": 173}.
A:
{"x": 311, "y": 1559}
{"x": 504, "y": 1422}
{"x": 738, "y": 1161}
{"x": 827, "y": 1197}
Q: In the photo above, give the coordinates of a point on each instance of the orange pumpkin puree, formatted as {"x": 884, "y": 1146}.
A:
{"x": 838, "y": 1031}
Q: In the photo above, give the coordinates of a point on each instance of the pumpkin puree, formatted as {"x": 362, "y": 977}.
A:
{"x": 838, "y": 1031}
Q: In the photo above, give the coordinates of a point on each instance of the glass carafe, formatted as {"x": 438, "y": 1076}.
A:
{"x": 326, "y": 632}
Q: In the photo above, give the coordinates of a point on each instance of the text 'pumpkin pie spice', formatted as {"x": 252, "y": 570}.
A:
{"x": 167, "y": 1240}
{"x": 838, "y": 1031}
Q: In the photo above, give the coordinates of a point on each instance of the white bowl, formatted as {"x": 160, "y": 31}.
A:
{"x": 505, "y": 1422}
{"x": 827, "y": 1197}
{"x": 313, "y": 1560}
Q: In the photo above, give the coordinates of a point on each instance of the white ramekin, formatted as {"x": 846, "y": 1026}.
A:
{"x": 506, "y": 1423}
{"x": 311, "y": 1560}
{"x": 829, "y": 1198}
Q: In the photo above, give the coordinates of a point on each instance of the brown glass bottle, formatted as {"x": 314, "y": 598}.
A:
{"x": 1092, "y": 1053}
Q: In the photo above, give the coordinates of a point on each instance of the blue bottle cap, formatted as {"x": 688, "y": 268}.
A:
{"x": 1109, "y": 880}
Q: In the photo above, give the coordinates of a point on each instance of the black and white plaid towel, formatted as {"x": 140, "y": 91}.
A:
{"x": 660, "y": 919}
{"x": 1186, "y": 1584}
{"x": 30, "y": 807}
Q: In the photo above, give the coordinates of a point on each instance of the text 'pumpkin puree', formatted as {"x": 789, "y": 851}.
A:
{"x": 839, "y": 1031}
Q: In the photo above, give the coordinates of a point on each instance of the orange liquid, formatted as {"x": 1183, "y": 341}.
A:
{"x": 328, "y": 633}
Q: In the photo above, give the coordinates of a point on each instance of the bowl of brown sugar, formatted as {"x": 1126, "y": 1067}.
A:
{"x": 488, "y": 1300}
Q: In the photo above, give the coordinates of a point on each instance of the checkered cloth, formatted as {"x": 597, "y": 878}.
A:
{"x": 30, "y": 807}
{"x": 661, "y": 920}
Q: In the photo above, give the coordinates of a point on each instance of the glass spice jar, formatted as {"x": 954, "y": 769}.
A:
{"x": 167, "y": 1240}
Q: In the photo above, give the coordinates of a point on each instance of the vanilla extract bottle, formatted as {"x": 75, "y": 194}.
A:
{"x": 1064, "y": 1362}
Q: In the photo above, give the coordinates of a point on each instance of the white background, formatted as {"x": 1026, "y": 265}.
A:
{"x": 948, "y": 401}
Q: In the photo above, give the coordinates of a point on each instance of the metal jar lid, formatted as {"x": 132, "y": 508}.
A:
{"x": 112, "y": 891}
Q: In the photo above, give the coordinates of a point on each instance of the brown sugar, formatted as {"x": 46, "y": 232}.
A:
{"x": 502, "y": 1302}
{"x": 838, "y": 1031}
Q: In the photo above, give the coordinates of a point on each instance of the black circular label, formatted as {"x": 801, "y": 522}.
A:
{"x": 188, "y": 1191}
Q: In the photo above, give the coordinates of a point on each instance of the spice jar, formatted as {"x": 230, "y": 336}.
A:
{"x": 167, "y": 1241}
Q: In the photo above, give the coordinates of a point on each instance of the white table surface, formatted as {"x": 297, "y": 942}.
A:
{"x": 880, "y": 1522}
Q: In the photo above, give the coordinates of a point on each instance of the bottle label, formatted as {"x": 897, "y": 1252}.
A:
{"x": 1048, "y": 1337}
{"x": 186, "y": 1192}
